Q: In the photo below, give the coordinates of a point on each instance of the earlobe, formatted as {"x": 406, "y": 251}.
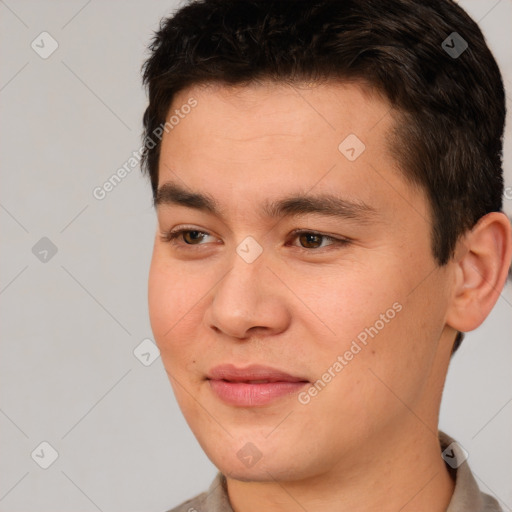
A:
{"x": 482, "y": 263}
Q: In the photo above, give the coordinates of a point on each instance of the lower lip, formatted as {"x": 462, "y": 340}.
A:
{"x": 244, "y": 394}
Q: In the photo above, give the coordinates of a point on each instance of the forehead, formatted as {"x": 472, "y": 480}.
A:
{"x": 276, "y": 107}
{"x": 240, "y": 143}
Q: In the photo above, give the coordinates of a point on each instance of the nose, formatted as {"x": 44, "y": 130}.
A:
{"x": 249, "y": 301}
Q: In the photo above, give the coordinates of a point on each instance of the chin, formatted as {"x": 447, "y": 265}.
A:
{"x": 266, "y": 469}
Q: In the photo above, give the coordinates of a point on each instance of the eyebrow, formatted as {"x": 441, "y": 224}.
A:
{"x": 294, "y": 205}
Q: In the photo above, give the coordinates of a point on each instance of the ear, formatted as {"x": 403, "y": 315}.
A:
{"x": 481, "y": 264}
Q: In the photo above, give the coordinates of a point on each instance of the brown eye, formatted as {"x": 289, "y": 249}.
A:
{"x": 311, "y": 240}
{"x": 191, "y": 237}
{"x": 185, "y": 236}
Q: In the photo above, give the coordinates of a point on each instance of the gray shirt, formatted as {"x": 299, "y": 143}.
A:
{"x": 466, "y": 497}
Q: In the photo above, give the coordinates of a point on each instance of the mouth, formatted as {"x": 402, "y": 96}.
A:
{"x": 254, "y": 385}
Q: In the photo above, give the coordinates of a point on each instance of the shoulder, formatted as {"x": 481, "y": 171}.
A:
{"x": 215, "y": 499}
{"x": 191, "y": 505}
{"x": 467, "y": 496}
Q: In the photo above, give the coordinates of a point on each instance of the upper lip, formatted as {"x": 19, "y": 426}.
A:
{"x": 231, "y": 373}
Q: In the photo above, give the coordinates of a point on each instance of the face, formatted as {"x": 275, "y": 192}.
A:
{"x": 298, "y": 247}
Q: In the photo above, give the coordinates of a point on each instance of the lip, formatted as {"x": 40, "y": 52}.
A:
{"x": 253, "y": 372}
{"x": 233, "y": 385}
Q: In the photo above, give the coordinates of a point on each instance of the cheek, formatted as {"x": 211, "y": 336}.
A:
{"x": 172, "y": 294}
{"x": 349, "y": 303}
{"x": 160, "y": 300}
{"x": 376, "y": 322}
{"x": 397, "y": 362}
{"x": 168, "y": 308}
{"x": 175, "y": 295}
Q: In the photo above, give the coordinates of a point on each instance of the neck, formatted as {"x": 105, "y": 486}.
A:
{"x": 403, "y": 471}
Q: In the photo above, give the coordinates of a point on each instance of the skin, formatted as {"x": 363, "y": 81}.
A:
{"x": 368, "y": 440}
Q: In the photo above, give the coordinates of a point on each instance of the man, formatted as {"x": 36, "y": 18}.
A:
{"x": 328, "y": 185}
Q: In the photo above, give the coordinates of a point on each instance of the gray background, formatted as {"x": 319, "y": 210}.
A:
{"x": 70, "y": 324}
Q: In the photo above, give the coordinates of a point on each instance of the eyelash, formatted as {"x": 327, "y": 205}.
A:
{"x": 172, "y": 236}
